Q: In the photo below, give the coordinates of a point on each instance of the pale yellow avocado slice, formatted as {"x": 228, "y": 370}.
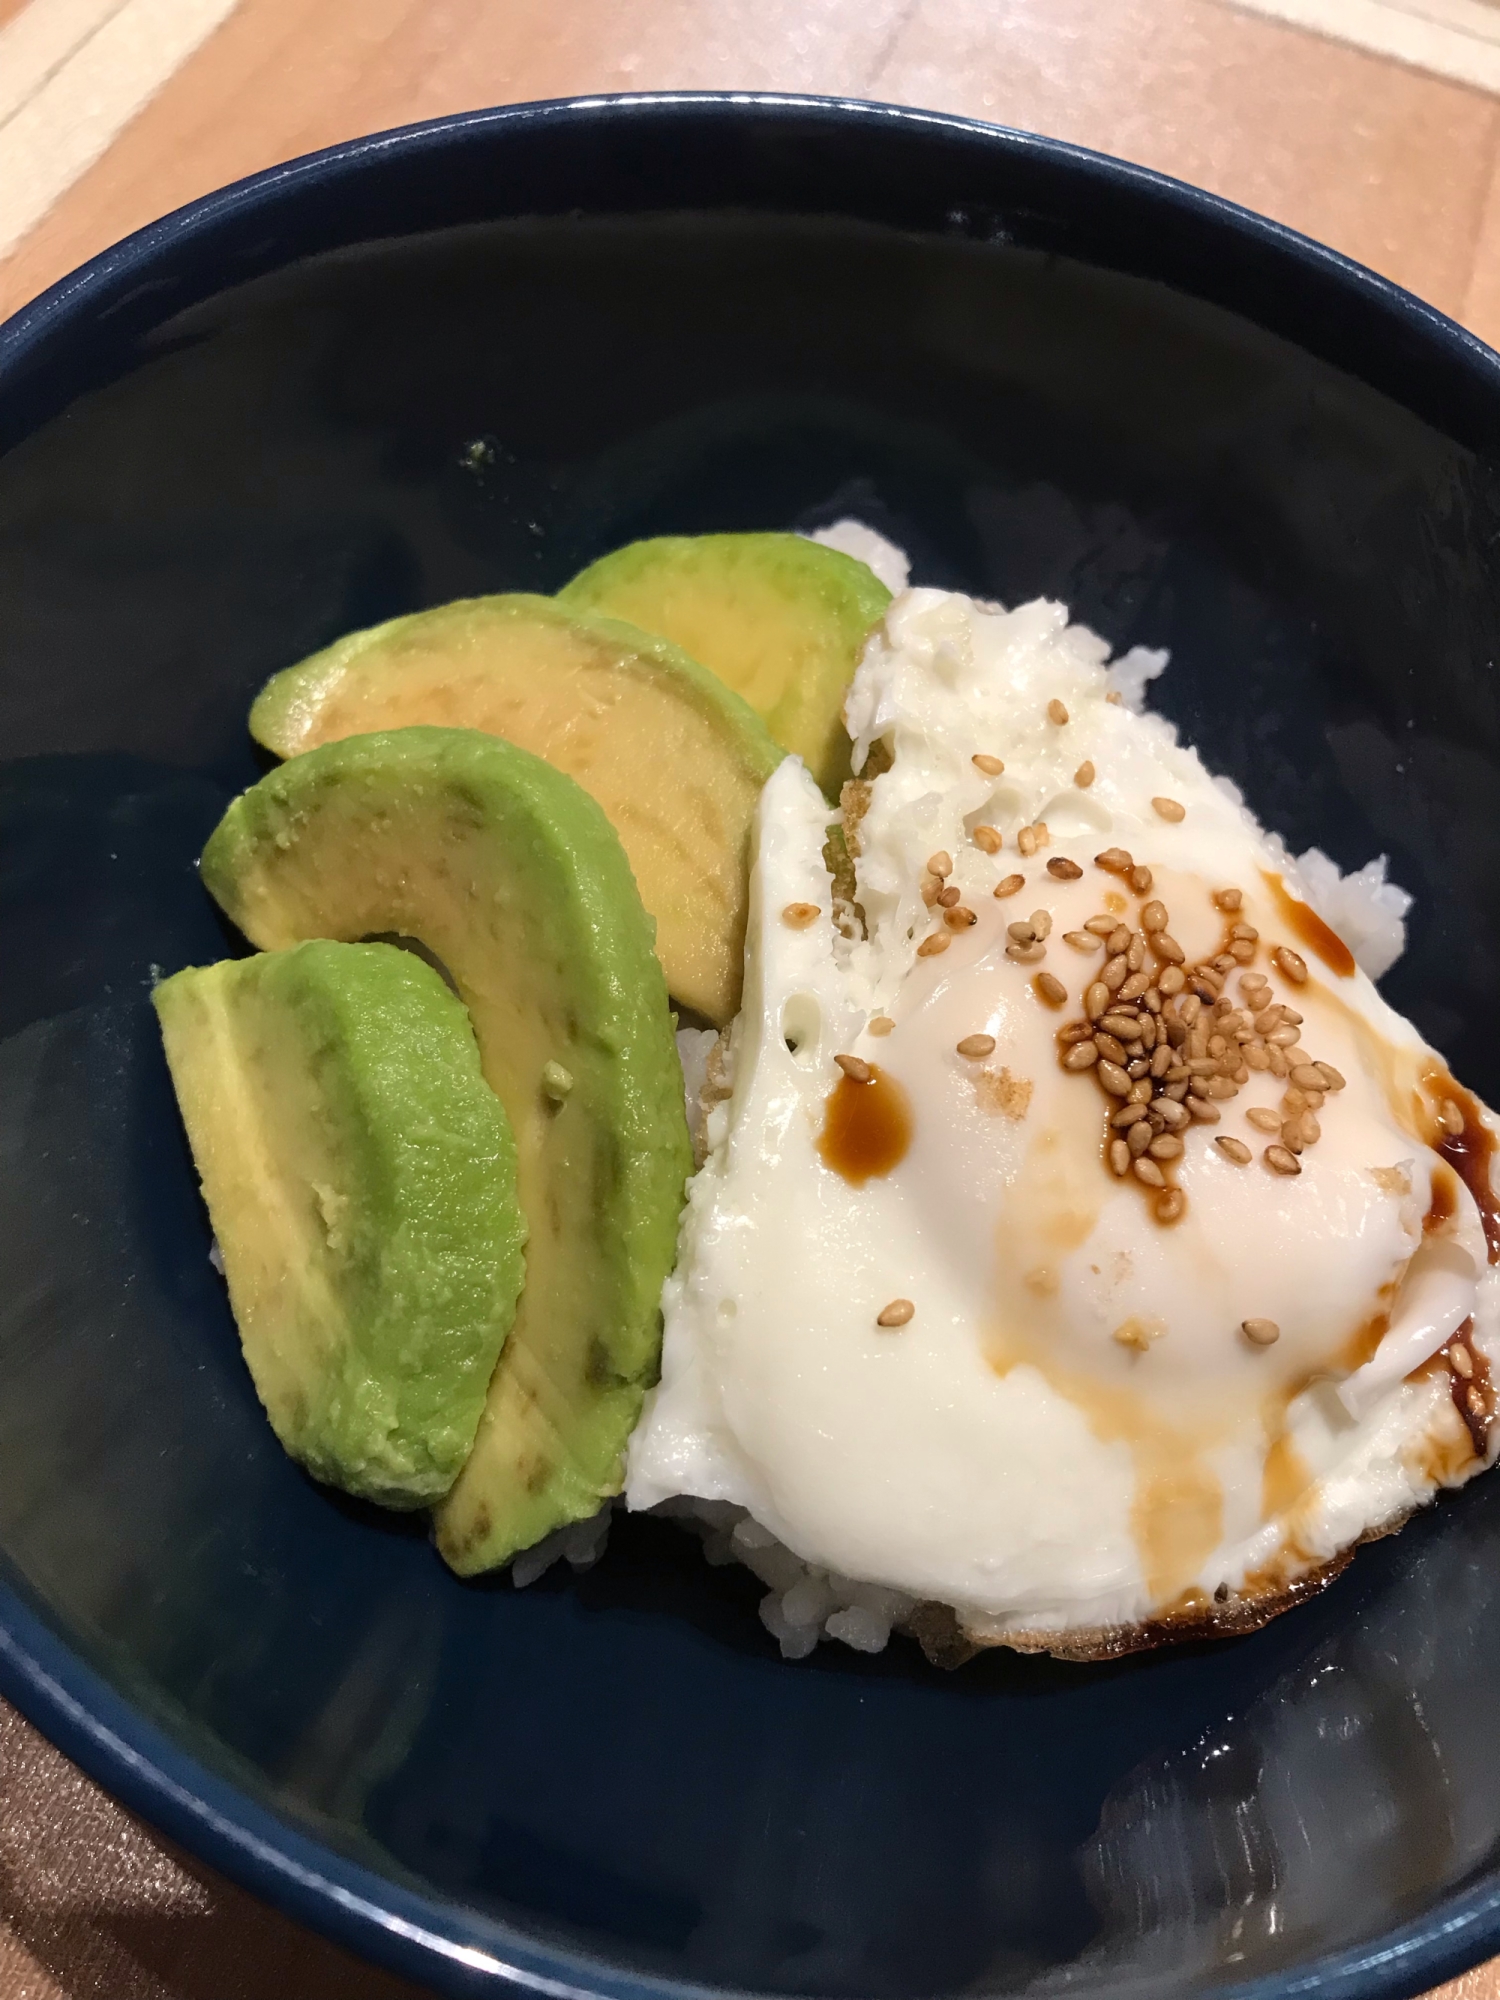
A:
{"x": 780, "y": 619}
{"x": 673, "y": 756}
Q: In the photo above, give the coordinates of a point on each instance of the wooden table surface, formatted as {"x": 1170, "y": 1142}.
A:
{"x": 1397, "y": 167}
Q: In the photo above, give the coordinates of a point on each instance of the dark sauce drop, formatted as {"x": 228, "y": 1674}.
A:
{"x": 1309, "y": 929}
{"x": 866, "y": 1127}
{"x": 1470, "y": 1153}
{"x": 1472, "y": 1391}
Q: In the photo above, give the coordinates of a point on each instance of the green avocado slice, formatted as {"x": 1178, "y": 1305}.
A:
{"x": 360, "y": 1176}
{"x": 780, "y": 619}
{"x": 511, "y": 876}
{"x": 674, "y": 757}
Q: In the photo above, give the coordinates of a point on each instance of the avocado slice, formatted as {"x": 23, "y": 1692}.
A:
{"x": 780, "y": 619}
{"x": 602, "y": 701}
{"x": 361, "y": 1179}
{"x": 510, "y": 875}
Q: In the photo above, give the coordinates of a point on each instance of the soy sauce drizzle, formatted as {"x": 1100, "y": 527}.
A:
{"x": 866, "y": 1127}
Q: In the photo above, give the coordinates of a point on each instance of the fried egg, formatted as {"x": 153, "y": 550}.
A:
{"x": 1084, "y": 1245}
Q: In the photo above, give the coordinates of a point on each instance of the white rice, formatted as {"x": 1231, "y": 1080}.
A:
{"x": 804, "y": 1604}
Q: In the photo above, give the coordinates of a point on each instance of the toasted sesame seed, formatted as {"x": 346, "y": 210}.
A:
{"x": 1102, "y": 926}
{"x": 1009, "y": 884}
{"x": 959, "y": 918}
{"x": 1074, "y": 1031}
{"x": 1056, "y": 712}
{"x": 1263, "y": 1118}
{"x": 1138, "y": 1138}
{"x": 799, "y": 915}
{"x": 991, "y": 766}
{"x": 1201, "y": 1109}
{"x": 1309, "y": 1128}
{"x": 1220, "y": 1087}
{"x": 976, "y": 1047}
{"x": 1083, "y": 941}
{"x": 1278, "y": 1061}
{"x": 1026, "y": 954}
{"x": 1171, "y": 979}
{"x": 1114, "y": 972}
{"x": 988, "y": 838}
{"x": 1166, "y": 1147}
{"x": 1043, "y": 833}
{"x": 1114, "y": 697}
{"x": 1161, "y": 1062}
{"x": 1281, "y": 1160}
{"x": 855, "y": 1068}
{"x": 1242, "y": 951}
{"x": 1260, "y": 1332}
{"x": 1451, "y": 1117}
{"x": 1041, "y": 922}
{"x": 1149, "y": 1172}
{"x": 1167, "y": 948}
{"x": 1119, "y": 1156}
{"x": 1082, "y": 1055}
{"x": 1154, "y": 917}
{"x": 1083, "y": 777}
{"x": 1244, "y": 931}
{"x": 1172, "y": 1114}
{"x": 1307, "y": 1076}
{"x": 1130, "y": 1113}
{"x": 1115, "y": 860}
{"x": 1189, "y": 1009}
{"x": 941, "y": 863}
{"x": 879, "y": 1024}
{"x": 1050, "y": 988}
{"x": 1227, "y": 899}
{"x": 1021, "y": 932}
{"x": 1110, "y": 1045}
{"x": 947, "y": 896}
{"x": 1063, "y": 869}
{"x": 1233, "y": 1149}
{"x": 1460, "y": 1360}
{"x": 898, "y": 1313}
{"x": 1026, "y": 841}
{"x": 1291, "y": 963}
{"x": 932, "y": 945}
{"x": 1331, "y": 1078}
{"x": 1169, "y": 809}
{"x": 1140, "y": 880}
{"x": 1096, "y": 1000}
{"x": 1171, "y": 1205}
{"x": 932, "y": 888}
{"x": 1126, "y": 1026}
{"x": 1114, "y": 1079}
{"x": 1118, "y": 939}
{"x": 1475, "y": 1400}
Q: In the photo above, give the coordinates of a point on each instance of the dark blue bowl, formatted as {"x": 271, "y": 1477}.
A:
{"x": 249, "y": 429}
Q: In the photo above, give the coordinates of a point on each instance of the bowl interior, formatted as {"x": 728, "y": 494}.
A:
{"x": 619, "y": 1766}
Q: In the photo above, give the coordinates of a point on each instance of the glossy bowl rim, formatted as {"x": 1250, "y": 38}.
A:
{"x": 423, "y": 1935}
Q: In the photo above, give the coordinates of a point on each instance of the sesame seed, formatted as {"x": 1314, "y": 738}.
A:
{"x": 1170, "y": 1113}
{"x": 1201, "y": 1109}
{"x": 1244, "y": 931}
{"x": 1026, "y": 954}
{"x": 1227, "y": 899}
{"x": 1219, "y": 1086}
{"x": 1166, "y": 1146}
{"x": 1474, "y": 1400}
{"x": 940, "y": 864}
{"x": 1171, "y": 1205}
{"x": 932, "y": 888}
{"x": 1171, "y": 979}
{"x": 947, "y": 896}
{"x": 879, "y": 1024}
{"x": 1291, "y": 963}
{"x": 1082, "y": 1055}
{"x": 991, "y": 766}
{"x": 1026, "y": 841}
{"x": 1233, "y": 1149}
{"x": 1167, "y": 948}
{"x": 1083, "y": 941}
{"x": 898, "y": 1313}
{"x": 1119, "y": 1156}
{"x": 1460, "y": 1360}
{"x": 1126, "y": 1026}
{"x": 1154, "y": 917}
{"x": 1050, "y": 988}
{"x": 1260, "y": 1332}
{"x": 1102, "y": 926}
{"x": 1114, "y": 972}
{"x": 1140, "y": 880}
{"x": 1043, "y": 835}
{"x": 1263, "y": 1118}
{"x": 1115, "y": 861}
{"x": 1138, "y": 1138}
{"x": 1056, "y": 712}
{"x": 1009, "y": 885}
{"x": 1281, "y": 1160}
{"x": 1149, "y": 1172}
{"x": 1161, "y": 1062}
{"x": 959, "y": 918}
{"x": 1309, "y": 1128}
{"x": 857, "y": 1070}
{"x": 1083, "y": 777}
{"x": 799, "y": 915}
{"x": 1331, "y": 1078}
{"x": 1129, "y": 1114}
{"x": 976, "y": 1047}
{"x": 1073, "y": 1031}
{"x": 1169, "y": 809}
{"x": 1115, "y": 698}
{"x": 1096, "y": 1000}
{"x": 1284, "y": 1037}
{"x": 1307, "y": 1076}
{"x": 1021, "y": 932}
{"x": 988, "y": 838}
{"x": 1063, "y": 869}
{"x": 931, "y": 946}
{"x": 1451, "y": 1117}
{"x": 1114, "y": 1079}
{"x": 1242, "y": 951}
{"x": 1110, "y": 1045}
